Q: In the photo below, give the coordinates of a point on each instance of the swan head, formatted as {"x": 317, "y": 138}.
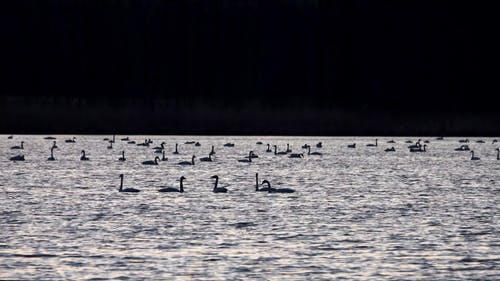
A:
{"x": 121, "y": 176}
{"x": 266, "y": 182}
{"x": 214, "y": 177}
{"x": 83, "y": 151}
{"x": 183, "y": 178}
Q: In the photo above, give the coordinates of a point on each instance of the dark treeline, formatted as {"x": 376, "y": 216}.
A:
{"x": 244, "y": 66}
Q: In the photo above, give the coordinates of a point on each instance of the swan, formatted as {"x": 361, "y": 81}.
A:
{"x": 49, "y": 138}
{"x": 473, "y": 157}
{"x": 296, "y": 155}
{"x": 480, "y": 141}
{"x": 373, "y": 144}
{"x": 18, "y": 147}
{"x": 392, "y": 149}
{"x": 121, "y": 189}
{"x": 186, "y": 163}
{"x": 351, "y": 145}
{"x": 163, "y": 158}
{"x": 463, "y": 141}
{"x": 439, "y": 138}
{"x": 173, "y": 189}
{"x": 391, "y": 141}
{"x": 161, "y": 147}
{"x": 498, "y": 153}
{"x": 105, "y": 139}
{"x": 197, "y": 144}
{"x": 259, "y": 143}
{"x": 110, "y": 146}
{"x": 276, "y": 151}
{"x": 131, "y": 142}
{"x": 229, "y": 144}
{"x": 84, "y": 158}
{"x": 17, "y": 158}
{"x": 207, "y": 159}
{"x": 54, "y": 145}
{"x": 253, "y": 155}
{"x": 151, "y": 162}
{"x": 73, "y": 140}
{"x": 218, "y": 189}
{"x": 419, "y": 149}
{"x": 176, "y": 151}
{"x": 125, "y": 139}
{"x": 319, "y": 145}
{"x": 313, "y": 153}
{"x": 123, "y": 156}
{"x": 288, "y": 148}
{"x": 249, "y": 160}
{"x": 189, "y": 142}
{"x": 277, "y": 190}
{"x": 268, "y": 148}
{"x": 463, "y": 147}
{"x": 51, "y": 158}
{"x": 10, "y": 137}
{"x": 266, "y": 189}
{"x": 306, "y": 146}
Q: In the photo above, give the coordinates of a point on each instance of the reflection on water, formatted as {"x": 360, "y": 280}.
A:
{"x": 358, "y": 213}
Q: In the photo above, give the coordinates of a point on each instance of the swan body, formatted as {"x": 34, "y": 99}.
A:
{"x": 216, "y": 188}
{"x": 197, "y": 144}
{"x": 84, "y": 158}
{"x": 73, "y": 140}
{"x": 9, "y": 137}
{"x": 419, "y": 149}
{"x": 259, "y": 143}
{"x": 277, "y": 190}
{"x": 313, "y": 153}
{"x": 187, "y": 163}
{"x": 49, "y": 138}
{"x": 319, "y": 145}
{"x": 17, "y": 158}
{"x": 480, "y": 141}
{"x": 207, "y": 159}
{"x": 229, "y": 144}
{"x": 392, "y": 149}
{"x": 173, "y": 189}
{"x": 391, "y": 141}
{"x": 247, "y": 160}
{"x": 263, "y": 189}
{"x": 268, "y": 148}
{"x": 125, "y": 139}
{"x": 473, "y": 157}
{"x": 131, "y": 142}
{"x": 51, "y": 158}
{"x": 152, "y": 162}
{"x": 18, "y": 146}
{"x": 276, "y": 151}
{"x": 463, "y": 141}
{"x": 296, "y": 155}
{"x": 463, "y": 147}
{"x": 121, "y": 189}
{"x": 189, "y": 142}
{"x": 373, "y": 144}
{"x": 123, "y": 156}
{"x": 351, "y": 145}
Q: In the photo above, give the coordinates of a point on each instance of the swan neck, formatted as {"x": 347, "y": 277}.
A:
{"x": 256, "y": 182}
{"x": 121, "y": 184}
{"x": 216, "y": 182}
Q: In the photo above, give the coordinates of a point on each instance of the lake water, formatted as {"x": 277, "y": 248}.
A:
{"x": 357, "y": 214}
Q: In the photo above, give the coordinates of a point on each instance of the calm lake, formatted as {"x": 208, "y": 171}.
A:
{"x": 357, "y": 213}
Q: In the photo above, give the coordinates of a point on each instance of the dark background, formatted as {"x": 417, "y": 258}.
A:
{"x": 307, "y": 67}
